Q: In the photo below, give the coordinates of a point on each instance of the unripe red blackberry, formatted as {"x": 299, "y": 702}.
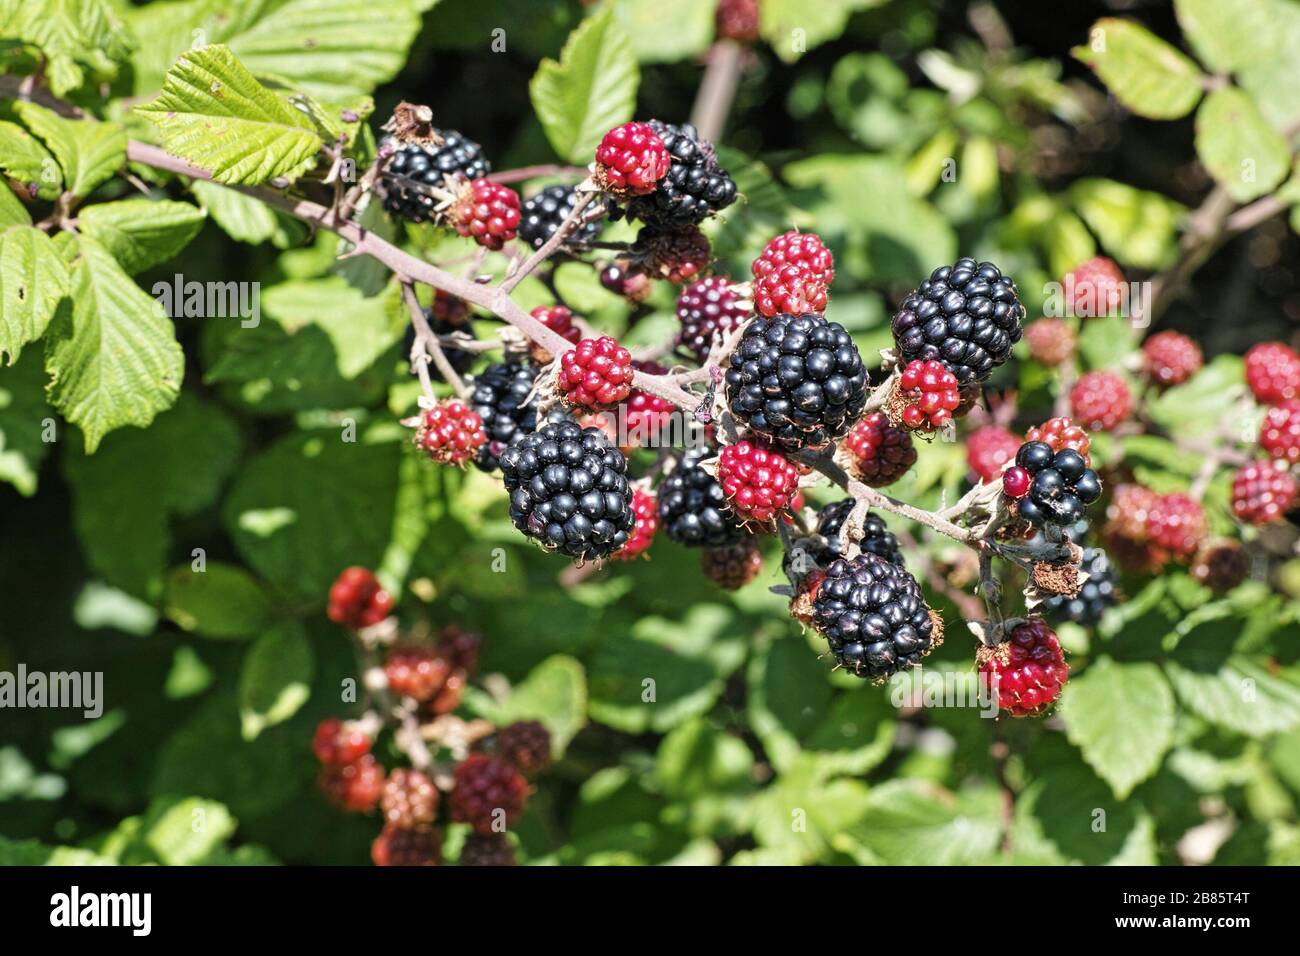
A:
{"x": 1095, "y": 289}
{"x": 1176, "y": 523}
{"x": 646, "y": 510}
{"x": 486, "y": 212}
{"x": 734, "y": 566}
{"x": 447, "y": 698}
{"x": 1273, "y": 372}
{"x": 559, "y": 320}
{"x": 526, "y": 744}
{"x": 595, "y": 374}
{"x": 416, "y": 672}
{"x": 758, "y": 481}
{"x": 336, "y": 742}
{"x": 1221, "y": 565}
{"x": 355, "y": 786}
{"x": 966, "y": 315}
{"x": 928, "y": 393}
{"x": 1279, "y": 434}
{"x": 1029, "y": 668}
{"x": 675, "y": 253}
{"x": 1263, "y": 492}
{"x": 737, "y": 20}
{"x": 1061, "y": 433}
{"x": 357, "y": 599}
{"x": 705, "y": 308}
{"x": 1171, "y": 358}
{"x": 489, "y": 794}
{"x": 630, "y": 160}
{"x": 451, "y": 433}
{"x": 459, "y": 647}
{"x": 493, "y": 849}
{"x": 1100, "y": 400}
{"x": 789, "y": 288}
{"x": 402, "y": 846}
{"x": 1129, "y": 513}
{"x": 796, "y": 248}
{"x": 1051, "y": 341}
{"x": 988, "y": 448}
{"x": 879, "y": 453}
{"x": 874, "y": 617}
{"x": 645, "y": 414}
{"x": 409, "y": 798}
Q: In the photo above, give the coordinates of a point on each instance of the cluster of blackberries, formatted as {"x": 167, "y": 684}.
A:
{"x": 967, "y": 316}
{"x": 569, "y": 489}
{"x": 695, "y": 186}
{"x": 797, "y": 380}
{"x": 873, "y": 616}
{"x": 1050, "y": 487}
{"x": 414, "y": 170}
{"x": 1095, "y": 595}
{"x": 693, "y": 508}
{"x": 544, "y": 213}
{"x": 502, "y": 396}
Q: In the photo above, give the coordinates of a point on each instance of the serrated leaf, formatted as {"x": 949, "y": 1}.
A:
{"x": 23, "y": 158}
{"x": 1238, "y": 146}
{"x": 141, "y": 233}
{"x": 88, "y": 151}
{"x": 554, "y": 692}
{"x": 589, "y": 91}
{"x": 23, "y": 415}
{"x": 1122, "y": 717}
{"x": 913, "y": 822}
{"x": 115, "y": 361}
{"x": 1067, "y": 815}
{"x": 1145, "y": 73}
{"x": 1229, "y": 34}
{"x": 33, "y": 279}
{"x": 1136, "y": 226}
{"x": 221, "y": 600}
{"x": 666, "y": 30}
{"x": 276, "y": 678}
{"x": 182, "y": 459}
{"x": 213, "y": 113}
{"x": 72, "y": 34}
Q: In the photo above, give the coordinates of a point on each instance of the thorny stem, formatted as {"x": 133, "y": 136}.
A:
{"x": 427, "y": 347}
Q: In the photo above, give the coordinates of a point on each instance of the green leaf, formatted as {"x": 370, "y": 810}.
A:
{"x": 12, "y": 210}
{"x": 88, "y": 151}
{"x": 72, "y": 34}
{"x": 1238, "y": 146}
{"x": 1104, "y": 342}
{"x": 23, "y": 158}
{"x": 1230, "y": 34}
{"x": 696, "y": 759}
{"x": 1067, "y": 815}
{"x": 222, "y": 600}
{"x": 186, "y": 831}
{"x": 589, "y": 91}
{"x": 33, "y": 279}
{"x": 299, "y": 531}
{"x": 1143, "y": 72}
{"x": 1199, "y": 403}
{"x": 802, "y": 812}
{"x": 1137, "y": 227}
{"x": 793, "y": 27}
{"x": 334, "y": 49}
{"x": 912, "y": 822}
{"x": 1274, "y": 81}
{"x": 244, "y": 218}
{"x": 666, "y": 30}
{"x": 182, "y": 461}
{"x": 23, "y": 417}
{"x": 360, "y": 329}
{"x": 1122, "y": 717}
{"x": 276, "y": 678}
{"x": 141, "y": 233}
{"x": 213, "y": 113}
{"x": 114, "y": 361}
{"x": 555, "y": 692}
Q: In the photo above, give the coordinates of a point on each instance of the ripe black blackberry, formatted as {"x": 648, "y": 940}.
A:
{"x": 1061, "y": 485}
{"x": 493, "y": 849}
{"x": 414, "y": 166}
{"x": 874, "y": 617}
{"x": 876, "y": 536}
{"x": 693, "y": 508}
{"x": 967, "y": 316}
{"x": 797, "y": 380}
{"x": 695, "y": 188}
{"x": 500, "y": 395}
{"x": 569, "y": 490}
{"x": 544, "y": 213}
{"x": 1095, "y": 595}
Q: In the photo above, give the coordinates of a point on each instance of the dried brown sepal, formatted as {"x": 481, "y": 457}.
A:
{"x": 413, "y": 123}
{"x": 1057, "y": 577}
